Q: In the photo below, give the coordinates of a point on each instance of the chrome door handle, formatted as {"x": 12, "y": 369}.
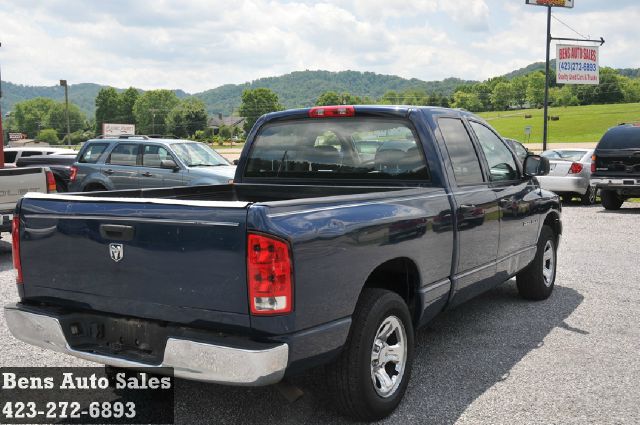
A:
{"x": 147, "y": 174}
{"x": 109, "y": 171}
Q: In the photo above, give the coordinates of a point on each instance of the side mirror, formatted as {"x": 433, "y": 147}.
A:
{"x": 236, "y": 161}
{"x": 169, "y": 164}
{"x": 536, "y": 165}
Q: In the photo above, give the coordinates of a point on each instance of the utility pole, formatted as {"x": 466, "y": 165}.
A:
{"x": 1, "y": 130}
{"x": 63, "y": 83}
{"x": 545, "y": 130}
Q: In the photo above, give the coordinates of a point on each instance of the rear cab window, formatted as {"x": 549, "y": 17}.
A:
{"x": 338, "y": 148}
{"x": 92, "y": 153}
{"x": 10, "y": 157}
{"x": 463, "y": 155}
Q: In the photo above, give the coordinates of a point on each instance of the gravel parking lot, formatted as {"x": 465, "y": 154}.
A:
{"x": 573, "y": 359}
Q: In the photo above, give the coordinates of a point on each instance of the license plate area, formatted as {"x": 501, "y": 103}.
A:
{"x": 127, "y": 338}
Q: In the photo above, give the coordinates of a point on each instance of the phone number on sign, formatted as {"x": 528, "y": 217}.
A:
{"x": 69, "y": 410}
{"x": 578, "y": 66}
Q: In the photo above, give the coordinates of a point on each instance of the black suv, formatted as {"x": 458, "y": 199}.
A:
{"x": 615, "y": 168}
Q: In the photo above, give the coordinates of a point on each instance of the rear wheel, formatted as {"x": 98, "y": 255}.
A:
{"x": 536, "y": 281}
{"x": 589, "y": 198}
{"x": 611, "y": 200}
{"x": 369, "y": 378}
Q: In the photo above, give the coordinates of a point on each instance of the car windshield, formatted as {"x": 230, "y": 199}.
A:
{"x": 567, "y": 155}
{"x": 354, "y": 148}
{"x": 198, "y": 155}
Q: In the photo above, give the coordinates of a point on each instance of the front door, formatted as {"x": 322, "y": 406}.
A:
{"x": 516, "y": 196}
{"x": 152, "y": 174}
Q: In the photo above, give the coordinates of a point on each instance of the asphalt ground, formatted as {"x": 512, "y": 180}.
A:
{"x": 572, "y": 359}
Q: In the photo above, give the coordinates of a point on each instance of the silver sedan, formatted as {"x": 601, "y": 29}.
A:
{"x": 570, "y": 174}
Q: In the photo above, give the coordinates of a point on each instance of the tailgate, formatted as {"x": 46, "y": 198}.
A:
{"x": 16, "y": 182}
{"x": 618, "y": 162}
{"x": 136, "y": 257}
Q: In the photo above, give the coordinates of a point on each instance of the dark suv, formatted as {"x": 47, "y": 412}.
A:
{"x": 137, "y": 162}
{"x": 615, "y": 168}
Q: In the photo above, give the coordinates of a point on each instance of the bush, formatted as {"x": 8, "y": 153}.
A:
{"x": 48, "y": 135}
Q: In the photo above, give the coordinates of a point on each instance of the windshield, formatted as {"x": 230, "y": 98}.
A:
{"x": 198, "y": 155}
{"x": 338, "y": 148}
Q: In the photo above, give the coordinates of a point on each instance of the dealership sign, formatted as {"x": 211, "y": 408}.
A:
{"x": 552, "y": 3}
{"x": 14, "y": 137}
{"x": 577, "y": 64}
{"x": 115, "y": 130}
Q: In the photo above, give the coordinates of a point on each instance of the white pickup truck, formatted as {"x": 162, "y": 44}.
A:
{"x": 15, "y": 183}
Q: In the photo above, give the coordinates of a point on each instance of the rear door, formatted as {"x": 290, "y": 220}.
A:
{"x": 476, "y": 214}
{"x": 122, "y": 167}
{"x": 152, "y": 174}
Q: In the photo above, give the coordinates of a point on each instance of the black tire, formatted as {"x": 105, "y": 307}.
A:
{"x": 350, "y": 376}
{"x": 611, "y": 200}
{"x": 589, "y": 198}
{"x": 534, "y": 281}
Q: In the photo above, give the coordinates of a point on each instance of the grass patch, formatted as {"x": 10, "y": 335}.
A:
{"x": 576, "y": 124}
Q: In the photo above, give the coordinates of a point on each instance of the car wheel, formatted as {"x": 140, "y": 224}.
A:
{"x": 611, "y": 200}
{"x": 536, "y": 281}
{"x": 589, "y": 198}
{"x": 369, "y": 378}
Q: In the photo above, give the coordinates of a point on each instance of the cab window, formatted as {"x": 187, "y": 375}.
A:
{"x": 502, "y": 165}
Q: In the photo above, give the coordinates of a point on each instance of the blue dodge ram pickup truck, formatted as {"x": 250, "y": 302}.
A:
{"x": 345, "y": 230}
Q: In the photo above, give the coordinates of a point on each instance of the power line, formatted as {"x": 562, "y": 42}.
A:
{"x": 567, "y": 25}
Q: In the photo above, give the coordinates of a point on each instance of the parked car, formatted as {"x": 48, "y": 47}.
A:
{"x": 15, "y": 183}
{"x": 521, "y": 151}
{"x": 570, "y": 174}
{"x": 616, "y": 165}
{"x": 315, "y": 255}
{"x": 134, "y": 162}
{"x": 59, "y": 164}
{"x": 12, "y": 155}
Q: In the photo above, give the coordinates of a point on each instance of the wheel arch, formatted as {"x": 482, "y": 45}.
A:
{"x": 400, "y": 275}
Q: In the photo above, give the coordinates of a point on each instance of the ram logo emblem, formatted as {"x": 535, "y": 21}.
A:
{"x": 116, "y": 250}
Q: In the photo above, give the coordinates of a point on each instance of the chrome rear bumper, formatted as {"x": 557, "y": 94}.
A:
{"x": 189, "y": 359}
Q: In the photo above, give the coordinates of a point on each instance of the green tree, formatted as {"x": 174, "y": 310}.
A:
{"x": 107, "y": 108}
{"x": 57, "y": 118}
{"x": 391, "y": 97}
{"x": 563, "y": 96}
{"x": 48, "y": 135}
{"x": 151, "y": 109}
{"x": 631, "y": 89}
{"x": 483, "y": 91}
{"x": 31, "y": 115}
{"x": 328, "y": 98}
{"x": 256, "y": 103}
{"x": 186, "y": 118}
{"x": 127, "y": 101}
{"x": 502, "y": 96}
{"x": 535, "y": 89}
{"x": 469, "y": 101}
{"x": 519, "y": 90}
{"x": 225, "y": 132}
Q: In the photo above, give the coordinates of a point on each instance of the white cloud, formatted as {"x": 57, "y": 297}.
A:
{"x": 201, "y": 44}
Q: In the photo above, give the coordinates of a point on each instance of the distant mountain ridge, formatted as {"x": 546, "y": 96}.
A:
{"x": 296, "y": 89}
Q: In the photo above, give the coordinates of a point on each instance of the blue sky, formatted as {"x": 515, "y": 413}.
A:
{"x": 201, "y": 44}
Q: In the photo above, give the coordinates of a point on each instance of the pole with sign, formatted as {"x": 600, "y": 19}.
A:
{"x": 566, "y": 4}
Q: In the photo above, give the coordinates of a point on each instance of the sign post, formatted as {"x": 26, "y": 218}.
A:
{"x": 549, "y": 4}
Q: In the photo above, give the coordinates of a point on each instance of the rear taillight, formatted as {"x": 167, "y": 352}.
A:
{"x": 51, "y": 182}
{"x": 269, "y": 275}
{"x": 593, "y": 163}
{"x": 332, "y": 111}
{"x": 15, "y": 247}
{"x": 73, "y": 173}
{"x": 576, "y": 168}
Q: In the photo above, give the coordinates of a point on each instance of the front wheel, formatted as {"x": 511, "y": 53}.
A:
{"x": 536, "y": 281}
{"x": 369, "y": 378}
